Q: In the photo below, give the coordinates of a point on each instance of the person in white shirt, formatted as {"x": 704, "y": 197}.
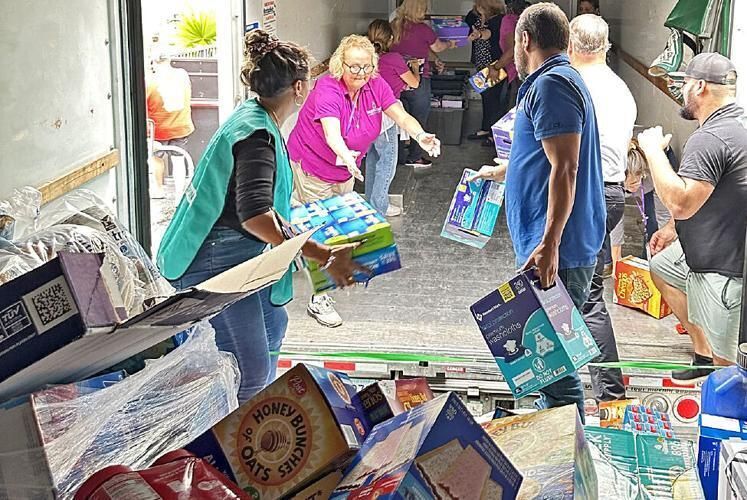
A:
{"x": 616, "y": 113}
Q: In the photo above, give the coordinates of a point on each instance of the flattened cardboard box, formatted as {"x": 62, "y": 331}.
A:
{"x": 536, "y": 336}
{"x": 436, "y": 450}
{"x": 59, "y": 325}
{"x": 550, "y": 450}
{"x": 299, "y": 428}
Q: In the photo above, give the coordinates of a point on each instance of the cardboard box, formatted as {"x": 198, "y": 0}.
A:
{"x": 65, "y": 299}
{"x": 321, "y": 489}
{"x": 612, "y": 413}
{"x": 635, "y": 288}
{"x": 299, "y": 428}
{"x": 346, "y": 219}
{"x": 633, "y": 466}
{"x": 503, "y": 134}
{"x": 714, "y": 430}
{"x": 732, "y": 483}
{"x": 379, "y": 262}
{"x": 385, "y": 399}
{"x": 536, "y": 336}
{"x": 473, "y": 211}
{"x": 451, "y": 28}
{"x": 436, "y": 450}
{"x": 550, "y": 450}
{"x": 480, "y": 81}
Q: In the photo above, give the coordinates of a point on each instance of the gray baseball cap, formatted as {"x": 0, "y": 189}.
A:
{"x": 711, "y": 67}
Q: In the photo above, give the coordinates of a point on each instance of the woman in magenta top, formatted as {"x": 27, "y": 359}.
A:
{"x": 381, "y": 161}
{"x": 337, "y": 125}
{"x": 415, "y": 39}
{"x": 514, "y": 8}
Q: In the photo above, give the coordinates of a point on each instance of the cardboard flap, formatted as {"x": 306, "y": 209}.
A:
{"x": 99, "y": 349}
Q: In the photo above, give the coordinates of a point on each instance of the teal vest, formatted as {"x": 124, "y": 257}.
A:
{"x": 202, "y": 203}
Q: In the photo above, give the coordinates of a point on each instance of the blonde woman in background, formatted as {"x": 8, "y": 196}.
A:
{"x": 415, "y": 39}
{"x": 338, "y": 123}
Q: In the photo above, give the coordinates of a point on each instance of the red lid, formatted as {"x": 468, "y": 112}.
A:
{"x": 173, "y": 456}
{"x": 93, "y": 483}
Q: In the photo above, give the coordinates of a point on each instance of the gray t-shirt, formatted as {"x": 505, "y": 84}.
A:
{"x": 713, "y": 238}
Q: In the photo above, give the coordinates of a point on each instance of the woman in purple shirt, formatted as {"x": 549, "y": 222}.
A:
{"x": 381, "y": 161}
{"x": 415, "y": 39}
{"x": 514, "y": 8}
{"x": 339, "y": 122}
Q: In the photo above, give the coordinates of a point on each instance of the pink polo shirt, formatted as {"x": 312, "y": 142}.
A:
{"x": 360, "y": 125}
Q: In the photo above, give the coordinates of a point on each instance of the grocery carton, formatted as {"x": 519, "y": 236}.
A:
{"x": 536, "y": 336}
{"x": 556, "y": 467}
{"x": 503, "y": 134}
{"x": 635, "y": 288}
{"x": 303, "y": 426}
{"x": 473, "y": 211}
{"x": 321, "y": 489}
{"x": 436, "y": 450}
{"x": 383, "y": 400}
{"x": 631, "y": 466}
{"x": 612, "y": 413}
{"x": 480, "y": 81}
{"x": 451, "y": 28}
{"x": 379, "y": 262}
{"x": 713, "y": 431}
{"x": 346, "y": 219}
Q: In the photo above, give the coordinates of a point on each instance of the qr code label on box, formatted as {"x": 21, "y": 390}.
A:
{"x": 50, "y": 304}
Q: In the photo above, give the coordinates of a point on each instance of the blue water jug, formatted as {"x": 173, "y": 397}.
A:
{"x": 724, "y": 392}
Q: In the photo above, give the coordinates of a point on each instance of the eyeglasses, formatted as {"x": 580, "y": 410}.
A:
{"x": 357, "y": 69}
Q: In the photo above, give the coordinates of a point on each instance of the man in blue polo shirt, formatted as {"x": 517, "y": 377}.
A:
{"x": 554, "y": 189}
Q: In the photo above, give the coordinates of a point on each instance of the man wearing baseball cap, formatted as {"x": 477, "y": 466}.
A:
{"x": 699, "y": 254}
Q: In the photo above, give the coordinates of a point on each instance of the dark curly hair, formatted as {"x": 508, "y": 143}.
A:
{"x": 271, "y": 66}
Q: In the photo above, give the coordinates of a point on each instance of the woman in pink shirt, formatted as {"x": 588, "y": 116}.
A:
{"x": 381, "y": 161}
{"x": 514, "y": 8}
{"x": 339, "y": 122}
{"x": 415, "y": 39}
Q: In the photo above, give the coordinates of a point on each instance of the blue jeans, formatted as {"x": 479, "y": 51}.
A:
{"x": 417, "y": 102}
{"x": 569, "y": 389}
{"x": 251, "y": 328}
{"x": 381, "y": 164}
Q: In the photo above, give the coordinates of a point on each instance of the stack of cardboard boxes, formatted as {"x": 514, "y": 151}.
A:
{"x": 348, "y": 219}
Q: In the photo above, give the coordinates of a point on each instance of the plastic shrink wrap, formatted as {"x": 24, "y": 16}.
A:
{"x": 78, "y": 221}
{"x": 51, "y": 445}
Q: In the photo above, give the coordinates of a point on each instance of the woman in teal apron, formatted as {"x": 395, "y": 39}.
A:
{"x": 232, "y": 211}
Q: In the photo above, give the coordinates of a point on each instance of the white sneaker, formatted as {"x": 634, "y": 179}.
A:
{"x": 393, "y": 211}
{"x": 321, "y": 308}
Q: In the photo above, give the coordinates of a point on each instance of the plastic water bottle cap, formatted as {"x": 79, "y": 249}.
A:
{"x": 742, "y": 356}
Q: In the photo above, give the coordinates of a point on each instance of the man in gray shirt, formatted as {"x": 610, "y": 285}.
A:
{"x": 700, "y": 274}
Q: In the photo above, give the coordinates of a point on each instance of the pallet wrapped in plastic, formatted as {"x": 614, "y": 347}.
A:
{"x": 84, "y": 208}
{"x": 52, "y": 445}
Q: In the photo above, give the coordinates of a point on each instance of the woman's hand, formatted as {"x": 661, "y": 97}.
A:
{"x": 474, "y": 35}
{"x": 351, "y": 164}
{"x": 430, "y": 143}
{"x": 439, "y": 65}
{"x": 341, "y": 266}
{"x": 492, "y": 173}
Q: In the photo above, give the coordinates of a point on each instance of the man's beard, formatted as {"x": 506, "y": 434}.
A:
{"x": 521, "y": 65}
{"x": 687, "y": 111}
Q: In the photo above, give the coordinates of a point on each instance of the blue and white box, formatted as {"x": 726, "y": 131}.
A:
{"x": 714, "y": 430}
{"x": 473, "y": 211}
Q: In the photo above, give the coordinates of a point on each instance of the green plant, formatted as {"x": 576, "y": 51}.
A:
{"x": 196, "y": 29}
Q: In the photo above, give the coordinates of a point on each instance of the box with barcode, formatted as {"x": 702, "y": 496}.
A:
{"x": 473, "y": 211}
{"x": 50, "y": 307}
{"x": 536, "y": 336}
{"x": 301, "y": 427}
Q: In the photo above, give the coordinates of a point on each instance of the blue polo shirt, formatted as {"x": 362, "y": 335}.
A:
{"x": 552, "y": 101}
